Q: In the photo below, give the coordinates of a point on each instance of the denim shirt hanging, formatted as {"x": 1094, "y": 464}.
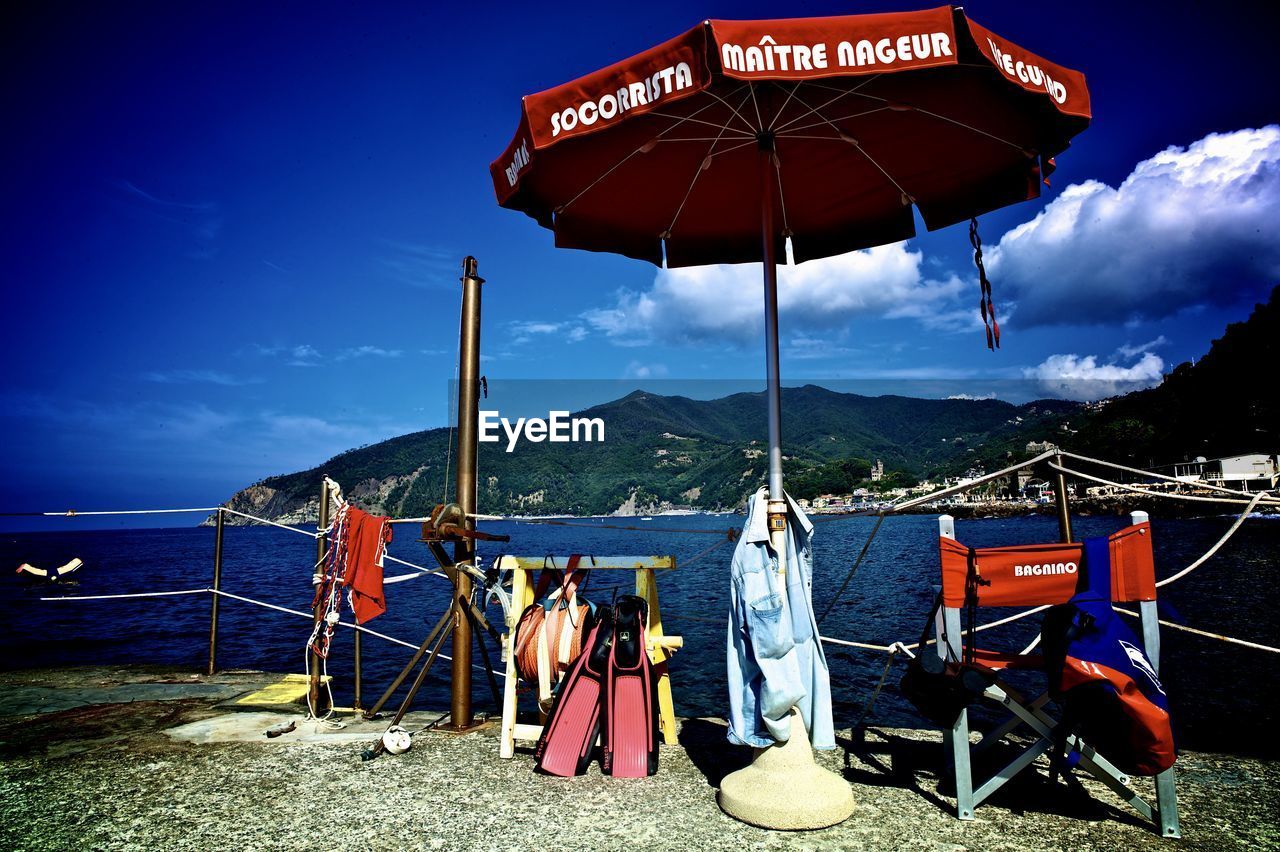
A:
{"x": 775, "y": 658}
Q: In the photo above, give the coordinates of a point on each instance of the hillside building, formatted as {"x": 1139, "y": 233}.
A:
{"x": 1252, "y": 472}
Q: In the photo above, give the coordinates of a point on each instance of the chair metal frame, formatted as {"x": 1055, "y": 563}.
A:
{"x": 1164, "y": 814}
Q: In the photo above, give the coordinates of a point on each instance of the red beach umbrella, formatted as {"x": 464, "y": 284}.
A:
{"x": 719, "y": 145}
{"x": 864, "y": 116}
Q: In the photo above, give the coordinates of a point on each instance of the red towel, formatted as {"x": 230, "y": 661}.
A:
{"x": 366, "y": 536}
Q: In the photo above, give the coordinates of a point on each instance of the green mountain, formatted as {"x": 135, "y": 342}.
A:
{"x": 669, "y": 450}
{"x": 662, "y": 451}
{"x": 1224, "y": 404}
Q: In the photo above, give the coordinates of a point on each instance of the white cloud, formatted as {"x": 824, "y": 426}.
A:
{"x": 523, "y": 331}
{"x": 637, "y": 370}
{"x": 1128, "y": 350}
{"x": 1083, "y": 378}
{"x": 367, "y": 352}
{"x": 535, "y": 327}
{"x": 211, "y": 377}
{"x": 418, "y": 264}
{"x": 304, "y": 355}
{"x": 803, "y": 347}
{"x": 725, "y": 302}
{"x": 1188, "y": 226}
{"x": 153, "y": 439}
{"x": 198, "y": 219}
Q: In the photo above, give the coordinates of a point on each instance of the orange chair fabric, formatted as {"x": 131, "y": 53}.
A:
{"x": 1034, "y": 574}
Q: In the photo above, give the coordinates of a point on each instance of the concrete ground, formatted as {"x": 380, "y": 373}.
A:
{"x": 144, "y": 758}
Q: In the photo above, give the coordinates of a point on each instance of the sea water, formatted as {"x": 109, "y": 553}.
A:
{"x": 1220, "y": 693}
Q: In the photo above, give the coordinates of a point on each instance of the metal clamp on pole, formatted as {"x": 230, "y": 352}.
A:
{"x": 448, "y": 522}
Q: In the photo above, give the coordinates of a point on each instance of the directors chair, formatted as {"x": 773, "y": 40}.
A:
{"x": 1040, "y": 575}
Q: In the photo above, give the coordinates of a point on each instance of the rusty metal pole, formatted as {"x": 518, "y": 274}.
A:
{"x": 1060, "y": 497}
{"x": 217, "y": 585}
{"x": 464, "y": 551}
{"x": 322, "y": 547}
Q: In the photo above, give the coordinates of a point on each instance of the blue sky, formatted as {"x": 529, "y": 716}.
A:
{"x": 233, "y": 231}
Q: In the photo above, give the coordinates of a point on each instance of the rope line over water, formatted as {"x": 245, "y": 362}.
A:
{"x": 1244, "y": 497}
{"x": 129, "y": 595}
{"x": 1249, "y": 500}
{"x": 1173, "y": 479}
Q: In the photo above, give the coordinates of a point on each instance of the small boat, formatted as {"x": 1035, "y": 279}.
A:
{"x": 52, "y": 575}
{"x": 646, "y": 519}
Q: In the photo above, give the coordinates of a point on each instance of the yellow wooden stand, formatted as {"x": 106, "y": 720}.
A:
{"x": 661, "y": 646}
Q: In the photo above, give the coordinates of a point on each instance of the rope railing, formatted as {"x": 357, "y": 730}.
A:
{"x": 1250, "y": 501}
{"x": 1242, "y": 642}
{"x": 973, "y": 483}
{"x": 126, "y": 595}
{"x": 892, "y": 506}
{"x": 1196, "y": 498}
{"x": 1152, "y": 474}
{"x": 244, "y": 599}
{"x": 75, "y": 513}
{"x": 1248, "y": 510}
{"x": 388, "y": 557}
{"x": 269, "y": 523}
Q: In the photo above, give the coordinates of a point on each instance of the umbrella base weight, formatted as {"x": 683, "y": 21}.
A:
{"x": 784, "y": 789}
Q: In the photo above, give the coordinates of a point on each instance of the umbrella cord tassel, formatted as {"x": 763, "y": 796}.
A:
{"x": 985, "y": 305}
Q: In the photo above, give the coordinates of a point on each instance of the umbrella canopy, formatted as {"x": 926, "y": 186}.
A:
{"x": 864, "y": 116}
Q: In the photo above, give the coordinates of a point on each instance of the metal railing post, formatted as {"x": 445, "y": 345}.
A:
{"x": 215, "y": 588}
{"x": 1060, "y": 497}
{"x": 322, "y": 547}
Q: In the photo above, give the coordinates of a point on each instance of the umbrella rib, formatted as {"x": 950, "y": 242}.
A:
{"x": 783, "y": 108}
{"x": 756, "y": 104}
{"x": 702, "y": 138}
{"x": 873, "y": 162}
{"x": 678, "y": 121}
{"x": 815, "y": 84}
{"x": 591, "y": 185}
{"x": 746, "y": 144}
{"x": 914, "y": 108}
{"x": 870, "y": 158}
{"x": 698, "y": 173}
{"x": 750, "y": 130}
{"x": 959, "y": 123}
{"x": 842, "y": 93}
{"x": 829, "y": 121}
{"x": 782, "y": 197}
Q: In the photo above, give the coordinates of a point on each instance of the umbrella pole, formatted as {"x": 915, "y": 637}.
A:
{"x": 773, "y": 393}
{"x": 783, "y": 788}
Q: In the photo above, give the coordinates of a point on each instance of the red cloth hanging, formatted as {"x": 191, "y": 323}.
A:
{"x": 366, "y": 539}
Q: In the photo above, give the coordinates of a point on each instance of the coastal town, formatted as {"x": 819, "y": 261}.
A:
{"x": 1027, "y": 488}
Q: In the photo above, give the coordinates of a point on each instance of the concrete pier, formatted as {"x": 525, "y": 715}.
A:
{"x": 126, "y": 758}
